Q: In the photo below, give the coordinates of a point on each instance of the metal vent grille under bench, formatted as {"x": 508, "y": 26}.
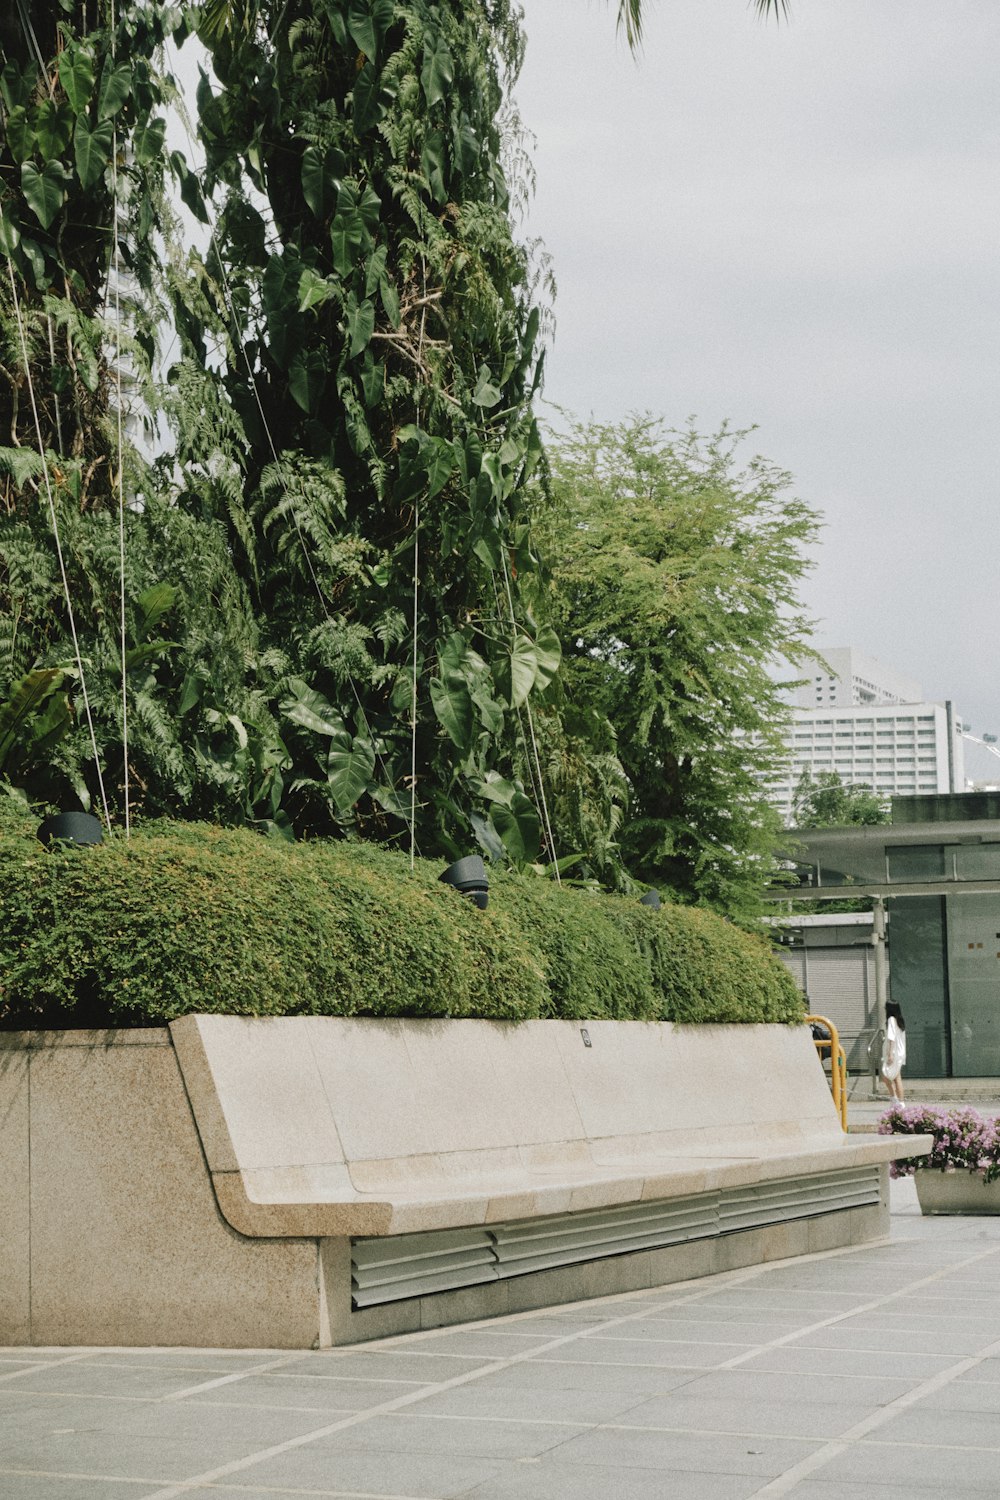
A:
{"x": 392, "y": 1268}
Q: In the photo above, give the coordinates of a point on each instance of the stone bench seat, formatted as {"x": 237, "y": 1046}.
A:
{"x": 323, "y": 1202}
{"x": 291, "y": 1114}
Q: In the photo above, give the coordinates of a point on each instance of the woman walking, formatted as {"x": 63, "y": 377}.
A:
{"x": 894, "y": 1051}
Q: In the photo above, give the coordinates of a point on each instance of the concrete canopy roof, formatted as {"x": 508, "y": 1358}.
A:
{"x": 856, "y": 857}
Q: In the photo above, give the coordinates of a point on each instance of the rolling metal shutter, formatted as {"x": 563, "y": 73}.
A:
{"x": 838, "y": 985}
{"x": 794, "y": 962}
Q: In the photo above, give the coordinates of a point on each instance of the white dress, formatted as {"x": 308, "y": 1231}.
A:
{"x": 894, "y": 1049}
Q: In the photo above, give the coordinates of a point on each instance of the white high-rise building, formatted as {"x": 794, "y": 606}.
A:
{"x": 870, "y": 726}
{"x": 854, "y": 679}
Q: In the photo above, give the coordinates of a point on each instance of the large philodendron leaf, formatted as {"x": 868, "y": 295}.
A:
{"x": 458, "y": 659}
{"x": 321, "y": 174}
{"x": 440, "y": 467}
{"x": 76, "y": 74}
{"x": 487, "y": 837}
{"x": 518, "y": 827}
{"x": 425, "y": 465}
{"x": 53, "y": 127}
{"x": 452, "y": 704}
{"x": 438, "y": 71}
{"x": 189, "y": 185}
{"x": 20, "y": 138}
{"x": 372, "y": 378}
{"x": 548, "y": 656}
{"x": 27, "y": 700}
{"x": 523, "y": 670}
{"x": 44, "y": 191}
{"x": 389, "y": 298}
{"x": 360, "y": 322}
{"x": 92, "y": 149}
{"x": 306, "y": 377}
{"x": 314, "y": 290}
{"x": 147, "y": 141}
{"x": 311, "y": 709}
{"x": 350, "y": 768}
{"x": 370, "y": 99}
{"x": 348, "y": 233}
{"x": 368, "y": 21}
{"x": 116, "y": 85}
{"x": 485, "y": 393}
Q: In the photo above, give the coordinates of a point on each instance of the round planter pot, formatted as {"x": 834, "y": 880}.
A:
{"x": 959, "y": 1192}
{"x": 71, "y": 828}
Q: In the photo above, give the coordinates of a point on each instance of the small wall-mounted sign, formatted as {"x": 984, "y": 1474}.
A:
{"x": 586, "y": 1036}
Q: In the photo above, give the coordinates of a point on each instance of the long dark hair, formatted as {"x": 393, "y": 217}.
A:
{"x": 893, "y": 1013}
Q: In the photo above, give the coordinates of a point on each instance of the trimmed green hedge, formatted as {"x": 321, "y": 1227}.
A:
{"x": 185, "y": 917}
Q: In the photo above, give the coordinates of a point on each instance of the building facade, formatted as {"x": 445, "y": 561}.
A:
{"x": 869, "y": 725}
{"x": 936, "y": 868}
{"x": 854, "y": 680}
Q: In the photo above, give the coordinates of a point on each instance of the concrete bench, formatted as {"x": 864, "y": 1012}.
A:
{"x": 316, "y": 1180}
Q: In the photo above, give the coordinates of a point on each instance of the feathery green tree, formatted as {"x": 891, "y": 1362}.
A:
{"x": 827, "y": 801}
{"x": 674, "y": 575}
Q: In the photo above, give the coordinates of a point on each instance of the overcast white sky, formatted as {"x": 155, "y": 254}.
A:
{"x": 799, "y": 227}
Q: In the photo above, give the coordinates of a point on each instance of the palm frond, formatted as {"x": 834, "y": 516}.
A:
{"x": 630, "y": 21}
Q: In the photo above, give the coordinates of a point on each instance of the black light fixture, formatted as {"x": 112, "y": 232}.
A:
{"x": 469, "y": 876}
{"x": 71, "y": 828}
{"x": 652, "y": 900}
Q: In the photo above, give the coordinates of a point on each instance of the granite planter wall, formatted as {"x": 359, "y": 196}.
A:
{"x": 957, "y": 1191}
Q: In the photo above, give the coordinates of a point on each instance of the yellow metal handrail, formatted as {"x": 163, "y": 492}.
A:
{"x": 838, "y": 1063}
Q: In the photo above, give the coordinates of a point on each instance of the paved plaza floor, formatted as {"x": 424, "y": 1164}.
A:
{"x": 843, "y": 1376}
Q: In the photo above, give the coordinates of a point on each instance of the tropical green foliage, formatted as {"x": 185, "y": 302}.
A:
{"x": 382, "y": 354}
{"x": 81, "y": 156}
{"x": 375, "y": 319}
{"x": 33, "y": 718}
{"x": 323, "y": 605}
{"x": 187, "y": 917}
{"x": 81, "y": 152}
{"x": 674, "y": 574}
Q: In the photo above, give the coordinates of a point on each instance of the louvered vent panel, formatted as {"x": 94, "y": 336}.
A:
{"x": 539, "y": 1244}
{"x": 412, "y": 1265}
{"x": 797, "y": 1198}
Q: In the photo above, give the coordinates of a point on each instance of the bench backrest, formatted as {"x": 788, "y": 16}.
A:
{"x": 398, "y": 1098}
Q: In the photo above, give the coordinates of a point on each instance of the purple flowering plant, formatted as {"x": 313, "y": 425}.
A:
{"x": 962, "y": 1138}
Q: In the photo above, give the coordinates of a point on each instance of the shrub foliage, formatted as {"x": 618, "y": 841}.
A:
{"x": 187, "y": 917}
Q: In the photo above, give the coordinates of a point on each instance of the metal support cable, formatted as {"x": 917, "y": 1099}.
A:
{"x": 535, "y": 793}
{"x": 413, "y": 701}
{"x": 531, "y": 726}
{"x": 115, "y": 277}
{"x": 54, "y": 521}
